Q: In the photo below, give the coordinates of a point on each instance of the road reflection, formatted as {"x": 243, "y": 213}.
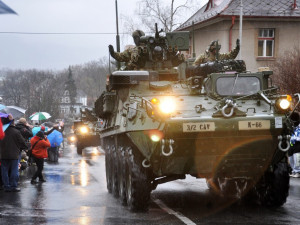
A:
{"x": 83, "y": 173}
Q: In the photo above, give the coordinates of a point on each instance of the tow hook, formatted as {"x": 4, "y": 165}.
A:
{"x": 167, "y": 143}
{"x": 229, "y": 103}
{"x": 286, "y": 139}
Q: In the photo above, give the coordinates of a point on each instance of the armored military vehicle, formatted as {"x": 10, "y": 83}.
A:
{"x": 215, "y": 121}
{"x": 85, "y": 133}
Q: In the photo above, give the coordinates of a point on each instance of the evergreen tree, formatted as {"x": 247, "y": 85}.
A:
{"x": 70, "y": 86}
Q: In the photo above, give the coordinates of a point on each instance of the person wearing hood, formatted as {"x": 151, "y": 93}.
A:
{"x": 39, "y": 144}
{"x": 10, "y": 148}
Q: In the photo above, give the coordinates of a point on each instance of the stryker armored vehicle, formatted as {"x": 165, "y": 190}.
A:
{"x": 85, "y": 134}
{"x": 214, "y": 121}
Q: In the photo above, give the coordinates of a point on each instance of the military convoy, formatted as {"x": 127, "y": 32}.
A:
{"x": 215, "y": 121}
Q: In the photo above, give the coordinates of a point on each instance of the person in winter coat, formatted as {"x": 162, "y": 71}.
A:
{"x": 294, "y": 151}
{"x": 10, "y": 148}
{"x": 39, "y": 144}
{"x": 1, "y": 137}
{"x": 24, "y": 128}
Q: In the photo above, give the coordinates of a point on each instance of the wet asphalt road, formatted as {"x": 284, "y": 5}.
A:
{"x": 75, "y": 193}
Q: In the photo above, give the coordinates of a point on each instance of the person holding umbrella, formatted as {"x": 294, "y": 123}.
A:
{"x": 39, "y": 144}
{"x": 10, "y": 148}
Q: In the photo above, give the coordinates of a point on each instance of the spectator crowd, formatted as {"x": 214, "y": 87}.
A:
{"x": 22, "y": 144}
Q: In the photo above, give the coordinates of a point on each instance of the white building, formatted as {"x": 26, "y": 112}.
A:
{"x": 65, "y": 104}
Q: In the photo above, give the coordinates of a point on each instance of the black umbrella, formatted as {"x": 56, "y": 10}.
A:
{"x": 15, "y": 111}
{"x": 4, "y": 9}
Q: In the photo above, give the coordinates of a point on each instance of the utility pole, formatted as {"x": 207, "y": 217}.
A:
{"x": 117, "y": 37}
{"x": 241, "y": 28}
{"x": 194, "y": 53}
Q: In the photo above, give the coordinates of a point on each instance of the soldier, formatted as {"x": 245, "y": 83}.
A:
{"x": 130, "y": 55}
{"x": 210, "y": 53}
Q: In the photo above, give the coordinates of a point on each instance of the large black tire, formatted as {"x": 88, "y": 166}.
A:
{"x": 273, "y": 189}
{"x": 108, "y": 168}
{"x": 138, "y": 186}
{"x": 121, "y": 174}
{"x": 115, "y": 172}
{"x": 79, "y": 148}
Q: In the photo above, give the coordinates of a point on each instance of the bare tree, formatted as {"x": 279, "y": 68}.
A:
{"x": 168, "y": 15}
{"x": 287, "y": 72}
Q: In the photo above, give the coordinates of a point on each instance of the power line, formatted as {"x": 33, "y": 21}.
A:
{"x": 59, "y": 33}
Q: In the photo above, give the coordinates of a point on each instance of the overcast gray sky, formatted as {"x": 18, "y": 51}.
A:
{"x": 25, "y": 50}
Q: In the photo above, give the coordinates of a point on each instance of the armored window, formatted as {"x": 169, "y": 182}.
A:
{"x": 237, "y": 86}
{"x": 266, "y": 42}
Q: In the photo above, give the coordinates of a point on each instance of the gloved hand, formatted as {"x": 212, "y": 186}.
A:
{"x": 111, "y": 50}
{"x": 238, "y": 42}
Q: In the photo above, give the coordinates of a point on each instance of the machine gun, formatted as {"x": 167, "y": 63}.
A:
{"x": 160, "y": 52}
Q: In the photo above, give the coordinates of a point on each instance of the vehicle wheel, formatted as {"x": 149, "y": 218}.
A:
{"x": 115, "y": 172}
{"x": 273, "y": 188}
{"x": 121, "y": 174}
{"x": 138, "y": 186}
{"x": 108, "y": 169}
{"x": 79, "y": 148}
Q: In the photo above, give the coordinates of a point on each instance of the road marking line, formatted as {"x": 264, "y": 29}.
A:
{"x": 171, "y": 211}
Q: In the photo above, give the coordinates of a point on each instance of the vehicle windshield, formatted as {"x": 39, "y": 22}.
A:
{"x": 237, "y": 86}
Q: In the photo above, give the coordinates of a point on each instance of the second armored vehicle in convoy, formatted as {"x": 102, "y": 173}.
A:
{"x": 162, "y": 123}
{"x": 85, "y": 133}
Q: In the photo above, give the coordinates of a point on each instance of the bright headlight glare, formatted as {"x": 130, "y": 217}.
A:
{"x": 284, "y": 104}
{"x": 167, "y": 105}
{"x": 83, "y": 130}
{"x": 72, "y": 138}
{"x": 155, "y": 138}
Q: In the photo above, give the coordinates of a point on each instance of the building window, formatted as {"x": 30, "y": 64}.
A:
{"x": 266, "y": 42}
{"x": 67, "y": 100}
{"x": 67, "y": 92}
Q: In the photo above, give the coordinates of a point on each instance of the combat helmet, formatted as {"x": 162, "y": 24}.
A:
{"x": 213, "y": 45}
{"x": 139, "y": 33}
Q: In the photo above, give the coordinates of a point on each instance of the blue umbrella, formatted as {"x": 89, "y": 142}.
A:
{"x": 55, "y": 138}
{"x": 4, "y": 9}
{"x": 2, "y": 106}
{"x": 5, "y": 126}
{"x": 37, "y": 129}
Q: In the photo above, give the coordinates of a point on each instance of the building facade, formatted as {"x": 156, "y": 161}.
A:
{"x": 269, "y": 28}
{"x": 67, "y": 110}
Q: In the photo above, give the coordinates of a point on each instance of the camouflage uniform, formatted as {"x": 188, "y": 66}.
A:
{"x": 209, "y": 56}
{"x": 130, "y": 56}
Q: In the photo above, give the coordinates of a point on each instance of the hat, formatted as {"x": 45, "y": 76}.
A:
{"x": 139, "y": 33}
{"x": 22, "y": 120}
{"x": 40, "y": 134}
{"x": 42, "y": 128}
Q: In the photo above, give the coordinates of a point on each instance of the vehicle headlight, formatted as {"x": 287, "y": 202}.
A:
{"x": 84, "y": 130}
{"x": 284, "y": 103}
{"x": 165, "y": 105}
{"x": 72, "y": 138}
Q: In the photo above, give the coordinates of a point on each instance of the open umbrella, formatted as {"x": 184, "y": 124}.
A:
{"x": 15, "y": 111}
{"x": 55, "y": 138}
{"x": 40, "y": 116}
{"x": 4, "y": 9}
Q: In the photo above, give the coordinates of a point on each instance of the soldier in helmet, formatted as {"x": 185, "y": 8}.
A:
{"x": 130, "y": 55}
{"x": 210, "y": 53}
